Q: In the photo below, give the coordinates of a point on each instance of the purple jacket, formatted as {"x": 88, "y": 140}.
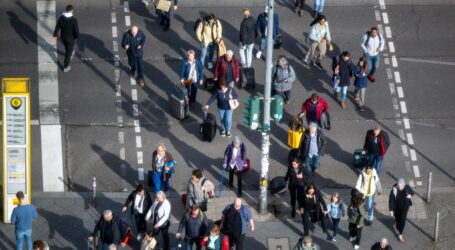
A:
{"x": 239, "y": 161}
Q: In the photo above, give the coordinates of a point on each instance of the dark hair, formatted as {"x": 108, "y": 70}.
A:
{"x": 318, "y": 18}
{"x": 374, "y": 29}
{"x": 368, "y": 166}
{"x": 197, "y": 173}
{"x": 314, "y": 97}
{"x": 140, "y": 188}
{"x": 345, "y": 54}
{"x": 69, "y": 8}
{"x": 356, "y": 197}
{"x": 365, "y": 63}
{"x": 223, "y": 82}
{"x": 311, "y": 186}
{"x": 20, "y": 195}
{"x": 39, "y": 245}
{"x": 296, "y": 159}
{"x": 211, "y": 17}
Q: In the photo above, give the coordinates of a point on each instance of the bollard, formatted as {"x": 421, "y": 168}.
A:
{"x": 436, "y": 228}
{"x": 430, "y": 177}
{"x": 94, "y": 192}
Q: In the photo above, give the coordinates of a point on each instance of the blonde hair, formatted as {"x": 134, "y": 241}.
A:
{"x": 215, "y": 229}
{"x": 246, "y": 12}
{"x": 189, "y": 52}
{"x": 335, "y": 195}
{"x": 307, "y": 239}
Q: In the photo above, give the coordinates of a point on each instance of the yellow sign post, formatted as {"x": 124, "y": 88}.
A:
{"x": 15, "y": 142}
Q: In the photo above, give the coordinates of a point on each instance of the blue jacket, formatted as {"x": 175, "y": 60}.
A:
{"x": 240, "y": 159}
{"x": 361, "y": 78}
{"x": 223, "y": 98}
{"x": 245, "y": 215}
{"x": 186, "y": 67}
{"x": 133, "y": 43}
{"x": 336, "y": 210}
{"x": 261, "y": 25}
{"x": 22, "y": 216}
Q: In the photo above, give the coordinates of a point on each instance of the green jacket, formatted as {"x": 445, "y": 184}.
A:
{"x": 301, "y": 246}
{"x": 357, "y": 214}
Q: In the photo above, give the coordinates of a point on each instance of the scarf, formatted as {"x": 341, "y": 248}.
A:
{"x": 67, "y": 14}
{"x": 212, "y": 240}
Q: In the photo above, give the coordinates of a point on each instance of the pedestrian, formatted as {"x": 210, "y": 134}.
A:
{"x": 299, "y": 7}
{"x": 361, "y": 82}
{"x": 40, "y": 245}
{"x": 216, "y": 241}
{"x": 356, "y": 214}
{"x": 313, "y": 108}
{"x": 195, "y": 191}
{"x": 223, "y": 95}
{"x": 376, "y": 144}
{"x": 111, "y": 230}
{"x": 344, "y": 70}
{"x": 164, "y": 13}
{"x": 312, "y": 147}
{"x": 209, "y": 33}
{"x": 261, "y": 30}
{"x": 312, "y": 208}
{"x": 318, "y": 7}
{"x": 235, "y": 221}
{"x": 191, "y": 75}
{"x": 372, "y": 44}
{"x": 163, "y": 166}
{"x": 22, "y": 218}
{"x": 227, "y": 67}
{"x": 283, "y": 77}
{"x": 368, "y": 183}
{"x": 296, "y": 177}
{"x": 159, "y": 216}
{"x": 235, "y": 162}
{"x": 69, "y": 33}
{"x": 399, "y": 203}
{"x": 336, "y": 211}
{"x": 133, "y": 42}
{"x": 140, "y": 201}
{"x": 319, "y": 38}
{"x": 195, "y": 224}
{"x": 247, "y": 36}
{"x": 305, "y": 243}
{"x": 382, "y": 245}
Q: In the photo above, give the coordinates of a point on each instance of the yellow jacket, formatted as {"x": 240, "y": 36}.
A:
{"x": 207, "y": 33}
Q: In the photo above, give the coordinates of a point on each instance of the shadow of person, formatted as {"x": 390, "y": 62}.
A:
{"x": 24, "y": 31}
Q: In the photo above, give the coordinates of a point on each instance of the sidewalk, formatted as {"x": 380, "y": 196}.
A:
{"x": 65, "y": 220}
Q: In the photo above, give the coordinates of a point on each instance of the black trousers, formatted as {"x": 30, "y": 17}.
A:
{"x": 239, "y": 180}
{"x": 192, "y": 91}
{"x": 69, "y": 47}
{"x": 356, "y": 232}
{"x": 136, "y": 63}
{"x": 309, "y": 218}
{"x": 237, "y": 240}
{"x": 141, "y": 224}
{"x": 295, "y": 191}
{"x": 285, "y": 94}
{"x": 400, "y": 219}
{"x": 300, "y": 4}
{"x": 163, "y": 231}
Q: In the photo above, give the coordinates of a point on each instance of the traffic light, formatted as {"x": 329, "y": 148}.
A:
{"x": 251, "y": 111}
{"x": 277, "y": 107}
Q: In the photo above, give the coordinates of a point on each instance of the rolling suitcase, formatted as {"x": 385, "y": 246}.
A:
{"x": 179, "y": 107}
{"x": 359, "y": 160}
{"x": 208, "y": 127}
{"x": 247, "y": 79}
{"x": 278, "y": 185}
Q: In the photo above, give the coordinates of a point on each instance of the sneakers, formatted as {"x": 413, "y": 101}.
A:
{"x": 351, "y": 239}
{"x": 371, "y": 78}
{"x": 228, "y": 133}
{"x": 356, "y": 246}
{"x": 333, "y": 238}
{"x": 362, "y": 108}
{"x": 368, "y": 222}
{"x": 66, "y": 69}
{"x": 210, "y": 65}
{"x": 318, "y": 65}
{"x": 223, "y": 133}
{"x": 259, "y": 54}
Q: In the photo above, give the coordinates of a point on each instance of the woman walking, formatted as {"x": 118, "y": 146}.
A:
{"x": 310, "y": 207}
{"x": 191, "y": 75}
{"x": 399, "y": 203}
{"x": 283, "y": 77}
{"x": 140, "y": 203}
{"x": 357, "y": 214}
{"x": 235, "y": 162}
{"x": 159, "y": 216}
{"x": 361, "y": 82}
{"x": 297, "y": 177}
{"x": 336, "y": 211}
{"x": 319, "y": 37}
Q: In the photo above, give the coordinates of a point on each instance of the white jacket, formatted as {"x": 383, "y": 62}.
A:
{"x": 361, "y": 184}
{"x": 164, "y": 212}
{"x": 373, "y": 44}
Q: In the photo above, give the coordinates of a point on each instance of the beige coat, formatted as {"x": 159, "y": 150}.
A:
{"x": 206, "y": 34}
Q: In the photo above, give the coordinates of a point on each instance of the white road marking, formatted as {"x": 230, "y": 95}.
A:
{"x": 114, "y": 31}
{"x": 51, "y": 158}
{"x": 132, "y": 81}
{"x": 386, "y": 61}
{"x": 401, "y": 134}
{"x": 117, "y": 75}
{"x": 138, "y": 142}
{"x": 410, "y": 139}
{"x": 113, "y": 17}
{"x": 381, "y": 30}
{"x": 140, "y": 174}
{"x": 407, "y": 59}
{"x": 140, "y": 158}
{"x": 137, "y": 127}
{"x": 115, "y": 46}
{"x": 32, "y": 122}
{"x": 413, "y": 154}
{"x": 400, "y": 92}
{"x": 395, "y": 103}
{"x": 389, "y": 74}
{"x": 407, "y": 125}
{"x": 121, "y": 137}
{"x": 116, "y": 61}
{"x": 416, "y": 171}
{"x": 126, "y": 6}
{"x": 134, "y": 95}
{"x": 388, "y": 32}
{"x": 419, "y": 183}
{"x": 119, "y": 91}
{"x": 385, "y": 17}
{"x": 122, "y": 153}
{"x": 404, "y": 148}
{"x": 127, "y": 21}
{"x": 120, "y": 120}
{"x": 382, "y": 4}
{"x": 411, "y": 183}
{"x": 119, "y": 105}
{"x": 377, "y": 15}
{"x": 394, "y": 62}
{"x": 135, "y": 110}
{"x": 397, "y": 77}
{"x": 407, "y": 166}
{"x": 392, "y": 88}
{"x": 403, "y": 107}
{"x": 391, "y": 47}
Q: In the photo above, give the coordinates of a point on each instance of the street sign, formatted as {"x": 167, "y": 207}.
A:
{"x": 15, "y": 142}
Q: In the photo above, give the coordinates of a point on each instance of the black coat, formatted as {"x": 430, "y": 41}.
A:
{"x": 147, "y": 201}
{"x": 346, "y": 69}
{"x": 68, "y": 27}
{"x": 118, "y": 229}
{"x": 134, "y": 43}
{"x": 291, "y": 176}
{"x": 303, "y": 203}
{"x": 305, "y": 144}
{"x": 377, "y": 246}
{"x": 248, "y": 31}
{"x": 393, "y": 197}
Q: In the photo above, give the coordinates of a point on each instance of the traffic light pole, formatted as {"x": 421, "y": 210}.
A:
{"x": 266, "y": 122}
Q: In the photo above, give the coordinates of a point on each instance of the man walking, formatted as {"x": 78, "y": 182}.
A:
{"x": 247, "y": 36}
{"x": 209, "y": 33}
{"x": 372, "y": 44}
{"x": 234, "y": 222}
{"x": 195, "y": 224}
{"x": 312, "y": 147}
{"x": 133, "y": 42}
{"x": 261, "y": 30}
{"x": 111, "y": 230}
{"x": 227, "y": 67}
{"x": 368, "y": 183}
{"x": 22, "y": 217}
{"x": 376, "y": 144}
{"x": 163, "y": 10}
{"x": 69, "y": 33}
{"x": 313, "y": 108}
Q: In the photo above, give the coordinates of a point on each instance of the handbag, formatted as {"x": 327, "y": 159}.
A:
{"x": 163, "y": 5}
{"x": 148, "y": 245}
{"x": 187, "y": 83}
{"x": 221, "y": 48}
{"x": 233, "y": 103}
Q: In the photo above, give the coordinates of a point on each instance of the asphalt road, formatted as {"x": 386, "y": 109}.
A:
{"x": 90, "y": 108}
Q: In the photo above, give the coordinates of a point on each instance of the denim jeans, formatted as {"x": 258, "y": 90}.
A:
{"x": 225, "y": 119}
{"x": 343, "y": 90}
{"x": 373, "y": 63}
{"x": 165, "y": 18}
{"x": 262, "y": 43}
{"x": 211, "y": 48}
{"x": 312, "y": 163}
{"x": 192, "y": 91}
{"x": 189, "y": 243}
{"x": 249, "y": 55}
{"x": 369, "y": 203}
{"x": 136, "y": 63}
{"x": 20, "y": 235}
{"x": 376, "y": 162}
{"x": 336, "y": 222}
{"x": 158, "y": 180}
{"x": 318, "y": 6}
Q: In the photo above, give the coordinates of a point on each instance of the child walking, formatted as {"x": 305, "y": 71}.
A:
{"x": 361, "y": 82}
{"x": 336, "y": 210}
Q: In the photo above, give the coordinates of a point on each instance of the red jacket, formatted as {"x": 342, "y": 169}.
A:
{"x": 321, "y": 106}
{"x": 224, "y": 243}
{"x": 220, "y": 69}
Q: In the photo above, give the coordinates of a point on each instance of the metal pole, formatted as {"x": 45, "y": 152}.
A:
{"x": 94, "y": 192}
{"x": 266, "y": 122}
{"x": 430, "y": 177}
{"x": 436, "y": 228}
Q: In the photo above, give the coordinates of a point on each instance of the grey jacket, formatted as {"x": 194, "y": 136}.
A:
{"x": 280, "y": 75}
{"x": 194, "y": 192}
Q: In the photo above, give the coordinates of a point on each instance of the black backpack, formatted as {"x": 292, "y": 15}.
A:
{"x": 368, "y": 38}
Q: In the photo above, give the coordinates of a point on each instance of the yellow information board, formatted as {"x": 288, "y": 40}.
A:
{"x": 15, "y": 142}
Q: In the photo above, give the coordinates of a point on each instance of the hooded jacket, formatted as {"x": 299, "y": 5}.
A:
{"x": 68, "y": 27}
